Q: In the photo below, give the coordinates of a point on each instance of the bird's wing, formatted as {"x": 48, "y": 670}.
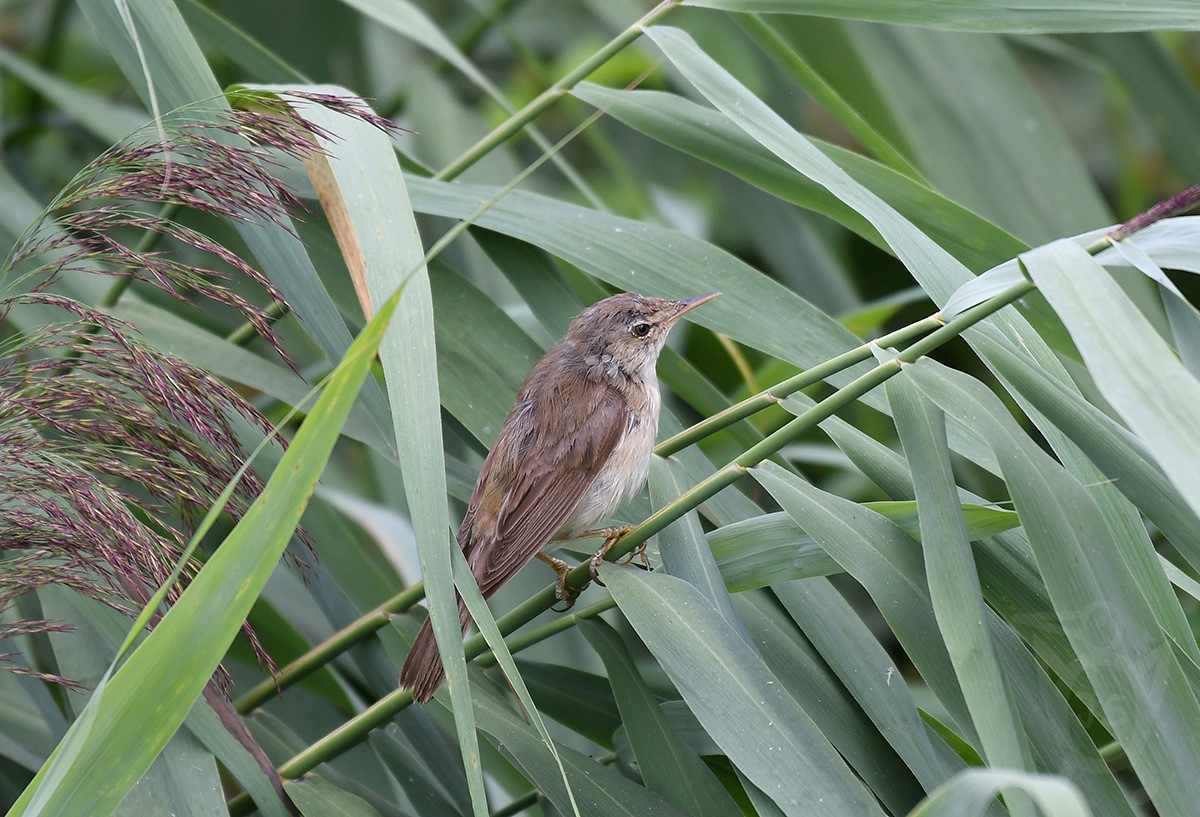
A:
{"x": 464, "y": 529}
{"x": 542, "y": 497}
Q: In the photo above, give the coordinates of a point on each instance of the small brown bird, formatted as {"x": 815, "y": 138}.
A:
{"x": 575, "y": 446}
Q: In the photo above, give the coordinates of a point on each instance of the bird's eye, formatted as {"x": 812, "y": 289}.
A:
{"x": 640, "y": 330}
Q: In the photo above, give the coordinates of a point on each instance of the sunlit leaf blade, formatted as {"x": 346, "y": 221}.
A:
{"x": 970, "y": 793}
{"x": 978, "y": 290}
{"x": 1184, "y": 318}
{"x": 1134, "y": 369}
{"x": 359, "y": 179}
{"x": 183, "y": 775}
{"x": 1170, "y": 243}
{"x": 736, "y": 698}
{"x": 1173, "y": 243}
{"x": 989, "y": 15}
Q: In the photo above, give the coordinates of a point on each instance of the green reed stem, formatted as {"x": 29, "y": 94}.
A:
{"x": 520, "y": 804}
{"x": 782, "y": 389}
{"x": 483, "y": 23}
{"x": 564, "y": 622}
{"x": 824, "y": 94}
{"x": 327, "y": 650}
{"x": 247, "y": 331}
{"x": 552, "y": 94}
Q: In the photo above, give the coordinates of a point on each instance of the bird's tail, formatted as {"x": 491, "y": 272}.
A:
{"x": 423, "y": 670}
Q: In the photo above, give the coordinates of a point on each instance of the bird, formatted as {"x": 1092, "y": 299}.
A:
{"x": 575, "y": 446}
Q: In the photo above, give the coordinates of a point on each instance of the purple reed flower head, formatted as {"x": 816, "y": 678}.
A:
{"x": 1181, "y": 202}
{"x": 107, "y": 449}
{"x": 226, "y": 167}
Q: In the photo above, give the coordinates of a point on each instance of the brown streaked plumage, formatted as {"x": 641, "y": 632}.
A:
{"x": 575, "y": 446}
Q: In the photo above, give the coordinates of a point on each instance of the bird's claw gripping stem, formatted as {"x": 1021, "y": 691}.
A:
{"x": 611, "y": 537}
{"x": 561, "y": 569}
{"x": 565, "y": 594}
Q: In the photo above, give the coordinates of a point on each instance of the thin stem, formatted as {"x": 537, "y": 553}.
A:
{"x": 552, "y": 94}
{"x": 482, "y": 23}
{"x": 358, "y": 728}
{"x": 520, "y": 804}
{"x": 49, "y": 54}
{"x": 112, "y": 295}
{"x": 782, "y": 389}
{"x": 327, "y": 650}
{"x": 824, "y": 94}
{"x": 563, "y": 622}
{"x": 148, "y": 242}
{"x": 738, "y": 357}
{"x": 247, "y": 332}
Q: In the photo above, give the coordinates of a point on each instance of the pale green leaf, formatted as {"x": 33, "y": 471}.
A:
{"x": 989, "y": 15}
{"x": 666, "y": 764}
{"x": 1131, "y": 662}
{"x": 972, "y": 791}
{"x": 954, "y": 587}
{"x": 737, "y": 699}
{"x": 317, "y": 797}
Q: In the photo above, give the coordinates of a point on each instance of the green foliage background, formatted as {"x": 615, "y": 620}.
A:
{"x": 962, "y": 572}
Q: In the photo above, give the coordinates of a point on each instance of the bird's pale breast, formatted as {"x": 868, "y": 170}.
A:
{"x": 625, "y": 471}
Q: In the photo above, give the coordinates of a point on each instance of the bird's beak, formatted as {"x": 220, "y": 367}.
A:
{"x": 688, "y": 304}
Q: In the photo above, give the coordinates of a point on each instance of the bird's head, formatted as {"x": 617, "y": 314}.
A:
{"x": 623, "y": 335}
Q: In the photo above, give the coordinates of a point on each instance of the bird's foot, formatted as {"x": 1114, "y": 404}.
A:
{"x": 611, "y": 537}
{"x": 565, "y": 594}
{"x": 639, "y": 553}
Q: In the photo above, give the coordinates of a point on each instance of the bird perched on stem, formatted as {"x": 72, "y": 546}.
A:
{"x": 576, "y": 445}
